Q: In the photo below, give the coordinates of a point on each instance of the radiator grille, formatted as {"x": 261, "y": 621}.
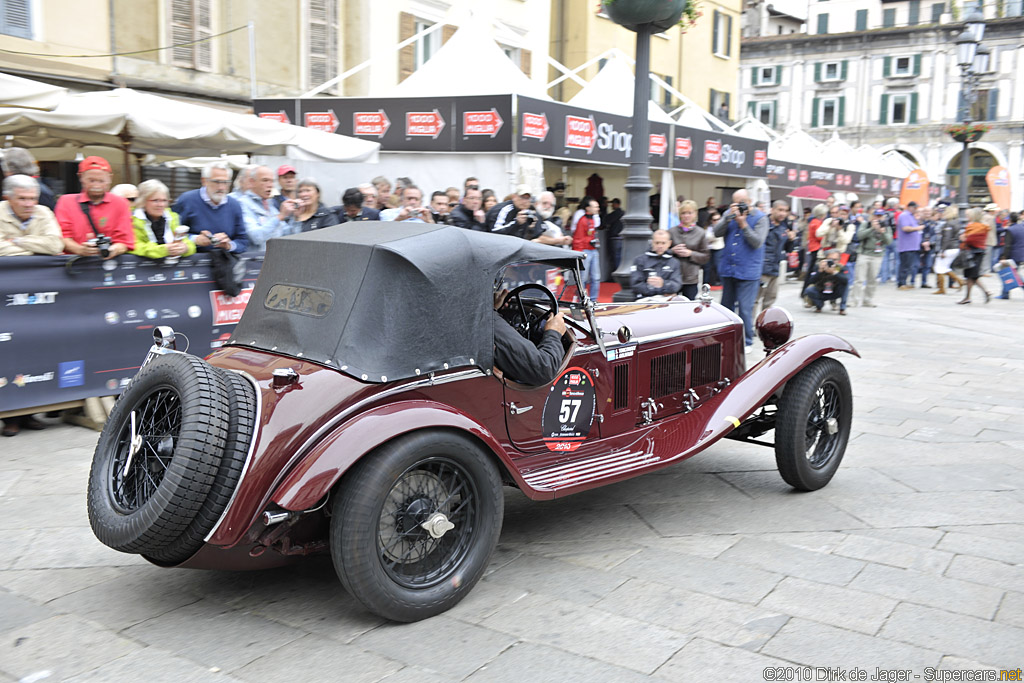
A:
{"x": 707, "y": 365}
{"x": 668, "y": 374}
{"x": 621, "y": 399}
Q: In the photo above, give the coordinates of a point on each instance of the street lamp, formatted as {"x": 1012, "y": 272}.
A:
{"x": 972, "y": 58}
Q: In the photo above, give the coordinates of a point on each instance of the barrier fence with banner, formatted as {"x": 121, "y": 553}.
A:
{"x": 72, "y": 328}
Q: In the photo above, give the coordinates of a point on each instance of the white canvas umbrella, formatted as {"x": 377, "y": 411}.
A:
{"x": 141, "y": 123}
{"x": 23, "y": 92}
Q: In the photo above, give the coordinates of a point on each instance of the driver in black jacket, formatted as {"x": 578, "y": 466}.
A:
{"x": 518, "y": 358}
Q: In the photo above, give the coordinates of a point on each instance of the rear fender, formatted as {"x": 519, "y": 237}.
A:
{"x": 751, "y": 391}
{"x": 324, "y": 466}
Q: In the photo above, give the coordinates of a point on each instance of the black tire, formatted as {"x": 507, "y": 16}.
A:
{"x": 812, "y": 425}
{"x": 181, "y": 410}
{"x": 241, "y": 422}
{"x": 385, "y": 559}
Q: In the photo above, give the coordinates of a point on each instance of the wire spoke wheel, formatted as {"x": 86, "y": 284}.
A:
{"x": 812, "y": 425}
{"x": 414, "y": 523}
{"x": 413, "y": 549}
{"x": 822, "y": 433}
{"x": 144, "y": 449}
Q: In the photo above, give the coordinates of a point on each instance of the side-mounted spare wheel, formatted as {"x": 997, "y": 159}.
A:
{"x": 241, "y": 425}
{"x": 158, "y": 454}
{"x": 812, "y": 425}
{"x": 415, "y": 522}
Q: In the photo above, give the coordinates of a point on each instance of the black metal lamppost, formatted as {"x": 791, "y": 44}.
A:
{"x": 972, "y": 58}
{"x": 645, "y": 17}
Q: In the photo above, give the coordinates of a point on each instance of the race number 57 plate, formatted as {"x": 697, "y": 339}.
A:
{"x": 569, "y": 410}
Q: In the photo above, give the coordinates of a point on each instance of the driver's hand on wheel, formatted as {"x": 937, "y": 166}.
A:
{"x": 556, "y": 323}
{"x": 499, "y": 298}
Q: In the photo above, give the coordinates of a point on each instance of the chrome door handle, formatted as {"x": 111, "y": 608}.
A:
{"x": 516, "y": 410}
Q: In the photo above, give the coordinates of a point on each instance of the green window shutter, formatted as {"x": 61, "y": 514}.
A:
{"x": 778, "y": 75}
{"x": 775, "y": 109}
{"x": 886, "y": 67}
{"x": 728, "y": 35}
{"x": 714, "y": 32}
{"x": 750, "y": 106}
{"x": 817, "y": 72}
{"x": 814, "y": 112}
{"x": 914, "y": 12}
{"x": 913, "y": 108}
{"x": 843, "y": 70}
{"x": 862, "y": 20}
{"x": 842, "y": 111}
{"x": 917, "y": 64}
{"x": 753, "y": 75}
{"x": 884, "y": 118}
{"x": 993, "y": 101}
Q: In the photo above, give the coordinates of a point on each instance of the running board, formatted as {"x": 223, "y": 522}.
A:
{"x": 588, "y": 470}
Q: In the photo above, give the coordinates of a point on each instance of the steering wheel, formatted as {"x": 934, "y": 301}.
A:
{"x": 529, "y": 320}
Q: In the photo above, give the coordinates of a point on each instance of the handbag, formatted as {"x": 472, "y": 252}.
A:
{"x": 962, "y": 260}
{"x": 228, "y": 271}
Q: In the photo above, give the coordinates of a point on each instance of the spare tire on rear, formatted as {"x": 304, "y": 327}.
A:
{"x": 241, "y": 423}
{"x": 158, "y": 455}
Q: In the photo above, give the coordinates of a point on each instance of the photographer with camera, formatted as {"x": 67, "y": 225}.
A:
{"x": 411, "y": 209}
{"x": 742, "y": 258}
{"x": 828, "y": 283}
{"x": 95, "y": 222}
{"x": 515, "y": 216}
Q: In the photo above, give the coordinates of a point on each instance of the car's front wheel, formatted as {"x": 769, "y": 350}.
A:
{"x": 415, "y": 523}
{"x": 812, "y": 426}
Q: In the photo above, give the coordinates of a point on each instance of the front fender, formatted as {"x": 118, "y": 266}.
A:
{"x": 320, "y": 470}
{"x": 761, "y": 381}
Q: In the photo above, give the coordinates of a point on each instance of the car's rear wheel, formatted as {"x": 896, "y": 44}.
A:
{"x": 158, "y": 454}
{"x": 812, "y": 426}
{"x": 415, "y": 523}
{"x": 241, "y": 423}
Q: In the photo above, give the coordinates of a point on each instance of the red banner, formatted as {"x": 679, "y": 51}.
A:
{"x": 580, "y": 133}
{"x": 375, "y": 123}
{"x": 481, "y": 122}
{"x": 424, "y": 123}
{"x": 535, "y": 126}
{"x": 322, "y": 120}
{"x": 915, "y": 188}
{"x": 998, "y": 179}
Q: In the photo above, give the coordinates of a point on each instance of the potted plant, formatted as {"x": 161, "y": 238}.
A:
{"x": 660, "y": 14}
{"x": 967, "y": 132}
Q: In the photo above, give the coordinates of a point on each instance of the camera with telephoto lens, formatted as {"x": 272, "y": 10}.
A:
{"x": 829, "y": 263}
{"x": 101, "y": 242}
{"x": 742, "y": 208}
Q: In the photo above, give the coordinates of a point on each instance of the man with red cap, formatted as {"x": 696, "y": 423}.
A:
{"x": 287, "y": 180}
{"x": 94, "y": 214}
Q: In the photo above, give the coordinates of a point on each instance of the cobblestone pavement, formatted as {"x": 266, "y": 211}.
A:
{"x": 712, "y": 570}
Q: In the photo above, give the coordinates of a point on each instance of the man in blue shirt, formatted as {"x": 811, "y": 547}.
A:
{"x": 742, "y": 259}
{"x": 262, "y": 220}
{"x": 211, "y": 215}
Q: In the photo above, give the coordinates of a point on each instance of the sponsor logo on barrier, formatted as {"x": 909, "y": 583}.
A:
{"x": 326, "y": 121}
{"x": 228, "y": 310}
{"x": 684, "y": 148}
{"x": 760, "y": 157}
{"x": 716, "y": 152}
{"x": 111, "y": 317}
{"x": 151, "y": 314}
{"x": 111, "y": 384}
{"x": 194, "y": 311}
{"x": 179, "y": 275}
{"x": 481, "y": 122}
{"x": 130, "y": 277}
{"x": 6, "y": 336}
{"x": 159, "y": 277}
{"x": 791, "y": 174}
{"x": 22, "y": 380}
{"x": 71, "y": 373}
{"x": 374, "y": 123}
{"x": 424, "y": 124}
{"x": 580, "y": 133}
{"x": 168, "y": 314}
{"x": 27, "y": 299}
{"x": 197, "y": 276}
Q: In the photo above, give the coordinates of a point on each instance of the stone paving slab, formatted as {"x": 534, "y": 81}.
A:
{"x": 710, "y": 570}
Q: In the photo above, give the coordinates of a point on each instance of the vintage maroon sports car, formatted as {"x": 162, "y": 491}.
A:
{"x": 356, "y": 410}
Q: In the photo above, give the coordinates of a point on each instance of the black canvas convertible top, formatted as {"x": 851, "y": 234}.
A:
{"x": 384, "y": 301}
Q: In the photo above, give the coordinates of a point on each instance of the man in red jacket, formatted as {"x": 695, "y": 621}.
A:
{"x": 89, "y": 217}
{"x": 585, "y": 240}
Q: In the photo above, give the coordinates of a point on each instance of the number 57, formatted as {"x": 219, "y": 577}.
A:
{"x": 569, "y": 410}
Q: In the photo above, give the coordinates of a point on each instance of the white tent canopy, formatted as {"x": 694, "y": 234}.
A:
{"x": 22, "y": 92}
{"x": 470, "y": 63}
{"x": 611, "y": 90}
{"x": 167, "y": 129}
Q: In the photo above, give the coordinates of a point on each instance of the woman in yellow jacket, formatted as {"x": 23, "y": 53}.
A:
{"x": 158, "y": 232}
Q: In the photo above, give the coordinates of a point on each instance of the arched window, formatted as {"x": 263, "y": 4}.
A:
{"x": 978, "y": 164}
